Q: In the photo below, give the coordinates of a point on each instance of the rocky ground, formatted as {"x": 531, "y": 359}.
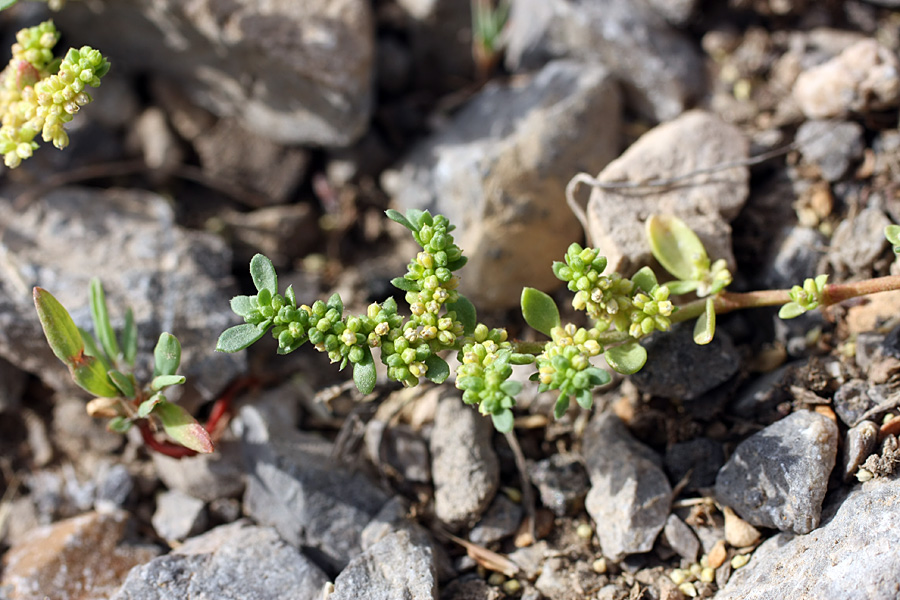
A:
{"x": 760, "y": 466}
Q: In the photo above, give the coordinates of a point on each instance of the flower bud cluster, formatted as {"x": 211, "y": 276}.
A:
{"x": 612, "y": 300}
{"x": 565, "y": 364}
{"x": 485, "y": 370}
{"x": 33, "y": 99}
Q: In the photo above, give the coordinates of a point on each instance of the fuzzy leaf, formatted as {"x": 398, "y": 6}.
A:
{"x": 511, "y": 388}
{"x": 163, "y": 381}
{"x": 166, "y": 355}
{"x": 122, "y": 382}
{"x": 645, "y": 279}
{"x": 674, "y": 245}
{"x": 239, "y": 337}
{"x": 415, "y": 216}
{"x": 241, "y": 305}
{"x": 182, "y": 427}
{"x": 705, "y": 327}
{"x": 562, "y": 405}
{"x": 397, "y": 216}
{"x": 503, "y": 421}
{"x": 438, "y": 369}
{"x": 539, "y": 310}
{"x": 407, "y": 285}
{"x": 129, "y": 338}
{"x": 102, "y": 326}
{"x": 465, "y": 313}
{"x": 364, "y": 374}
{"x": 58, "y": 326}
{"x": 585, "y": 399}
{"x": 263, "y": 273}
{"x": 627, "y": 359}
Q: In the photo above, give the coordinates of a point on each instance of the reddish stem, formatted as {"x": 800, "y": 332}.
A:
{"x": 166, "y": 448}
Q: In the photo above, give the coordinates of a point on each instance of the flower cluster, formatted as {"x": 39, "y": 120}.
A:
{"x": 484, "y": 376}
{"x": 565, "y": 365}
{"x": 612, "y": 300}
{"x": 804, "y": 298}
{"x": 41, "y": 94}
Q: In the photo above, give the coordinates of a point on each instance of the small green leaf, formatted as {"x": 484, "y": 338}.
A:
{"x": 182, "y": 427}
{"x": 58, "y": 326}
{"x": 397, "y": 216}
{"x": 122, "y": 381}
{"x": 119, "y": 424}
{"x": 675, "y": 245}
{"x": 163, "y": 381}
{"x": 705, "y": 328}
{"x": 438, "y": 369}
{"x": 102, "y": 326}
{"x": 459, "y": 263}
{"x": 539, "y": 310}
{"x": 791, "y": 310}
{"x": 4, "y": 4}
{"x": 892, "y": 234}
{"x": 520, "y": 358}
{"x": 129, "y": 338}
{"x": 90, "y": 375}
{"x": 415, "y": 216}
{"x": 364, "y": 374}
{"x": 562, "y": 405}
{"x": 503, "y": 421}
{"x": 239, "y": 337}
{"x": 407, "y": 285}
{"x": 511, "y": 388}
{"x": 166, "y": 355}
{"x": 91, "y": 348}
{"x": 645, "y": 279}
{"x": 242, "y": 306}
{"x": 598, "y": 376}
{"x": 263, "y": 273}
{"x": 676, "y": 288}
{"x": 291, "y": 296}
{"x": 465, "y": 313}
{"x": 585, "y": 399}
{"x": 627, "y": 358}
{"x": 336, "y": 303}
{"x": 147, "y": 405}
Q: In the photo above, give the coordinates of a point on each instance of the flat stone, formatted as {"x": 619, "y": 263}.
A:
{"x": 681, "y": 538}
{"x": 778, "y": 477}
{"x": 178, "y": 516}
{"x": 706, "y": 202}
{"x": 464, "y": 466}
{"x": 173, "y": 279}
{"x": 499, "y": 171}
{"x": 394, "y": 567}
{"x": 500, "y": 520}
{"x": 293, "y": 73}
{"x": 206, "y": 477}
{"x": 82, "y": 558}
{"x": 630, "y": 495}
{"x": 859, "y": 444}
{"x": 701, "y": 457}
{"x": 851, "y": 556}
{"x": 232, "y": 562}
{"x": 562, "y": 483}
{"x": 832, "y": 146}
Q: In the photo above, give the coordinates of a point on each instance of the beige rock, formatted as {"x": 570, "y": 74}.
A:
{"x": 738, "y": 532}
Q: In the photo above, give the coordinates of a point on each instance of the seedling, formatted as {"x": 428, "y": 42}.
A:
{"x": 104, "y": 366}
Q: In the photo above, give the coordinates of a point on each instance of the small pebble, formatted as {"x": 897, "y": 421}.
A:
{"x": 584, "y": 531}
{"x": 738, "y": 532}
{"x": 599, "y": 565}
{"x": 687, "y": 588}
{"x": 708, "y": 575}
{"x": 864, "y": 475}
{"x": 717, "y": 554}
{"x": 512, "y": 586}
{"x": 678, "y": 576}
{"x": 739, "y": 560}
{"x": 497, "y": 579}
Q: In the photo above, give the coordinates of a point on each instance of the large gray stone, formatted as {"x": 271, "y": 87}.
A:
{"x": 706, "y": 202}
{"x": 660, "y": 67}
{"x": 630, "y": 496}
{"x": 778, "y": 477}
{"x": 499, "y": 172}
{"x": 173, "y": 279}
{"x": 237, "y": 561}
{"x": 852, "y": 556}
{"x": 298, "y": 72}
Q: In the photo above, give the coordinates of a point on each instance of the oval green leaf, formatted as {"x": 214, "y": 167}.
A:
{"x": 627, "y": 358}
{"x": 239, "y": 337}
{"x": 503, "y": 421}
{"x": 705, "y": 327}
{"x": 397, "y": 217}
{"x": 539, "y": 310}
{"x": 183, "y": 428}
{"x": 58, "y": 326}
{"x": 263, "y": 273}
{"x": 100, "y": 315}
{"x": 438, "y": 369}
{"x": 166, "y": 355}
{"x": 241, "y": 305}
{"x": 364, "y": 374}
{"x": 465, "y": 313}
{"x": 90, "y": 375}
{"x": 119, "y": 424}
{"x": 407, "y": 285}
{"x": 124, "y": 383}
{"x": 791, "y": 310}
{"x": 645, "y": 279}
{"x": 163, "y": 381}
{"x": 147, "y": 405}
{"x": 674, "y": 245}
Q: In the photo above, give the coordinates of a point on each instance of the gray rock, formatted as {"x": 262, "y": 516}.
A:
{"x": 630, "y": 495}
{"x": 500, "y": 520}
{"x": 395, "y": 567}
{"x": 178, "y": 516}
{"x": 400, "y": 447}
{"x": 439, "y": 34}
{"x": 853, "y": 246}
{"x": 796, "y": 253}
{"x": 858, "y": 446}
{"x": 763, "y": 394}
{"x": 676, "y": 12}
{"x": 862, "y": 78}
{"x": 295, "y": 485}
{"x": 681, "y": 538}
{"x": 12, "y": 384}
{"x": 231, "y": 562}
{"x": 283, "y": 233}
{"x": 701, "y": 457}
{"x": 293, "y": 73}
{"x": 778, "y": 476}
{"x": 204, "y": 476}
{"x": 562, "y": 578}
{"x": 852, "y": 556}
{"x": 115, "y": 485}
{"x": 706, "y": 202}
{"x": 499, "y": 172}
{"x": 660, "y": 67}
{"x": 173, "y": 279}
{"x": 464, "y": 466}
{"x": 679, "y": 368}
{"x": 852, "y": 401}
{"x": 562, "y": 483}
{"x": 832, "y": 146}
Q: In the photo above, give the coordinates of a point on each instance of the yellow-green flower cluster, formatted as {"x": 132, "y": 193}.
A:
{"x": 40, "y": 94}
{"x": 484, "y": 376}
{"x": 565, "y": 366}
{"x": 651, "y": 312}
